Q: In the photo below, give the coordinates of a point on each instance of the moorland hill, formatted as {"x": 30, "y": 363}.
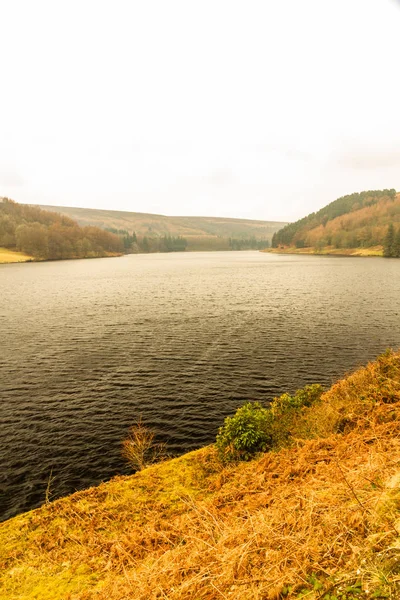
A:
{"x": 201, "y": 233}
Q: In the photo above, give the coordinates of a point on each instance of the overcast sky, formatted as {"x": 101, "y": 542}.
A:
{"x": 265, "y": 109}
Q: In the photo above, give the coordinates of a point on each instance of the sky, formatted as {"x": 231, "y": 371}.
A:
{"x": 261, "y": 109}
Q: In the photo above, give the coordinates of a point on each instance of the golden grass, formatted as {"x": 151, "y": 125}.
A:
{"x": 316, "y": 520}
{"x": 10, "y": 256}
{"x": 329, "y": 251}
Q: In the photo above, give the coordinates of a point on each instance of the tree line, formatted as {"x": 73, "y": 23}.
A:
{"x": 134, "y": 244}
{"x": 248, "y": 243}
{"x": 48, "y": 235}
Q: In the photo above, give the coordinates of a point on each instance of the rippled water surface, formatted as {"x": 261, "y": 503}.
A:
{"x": 182, "y": 339}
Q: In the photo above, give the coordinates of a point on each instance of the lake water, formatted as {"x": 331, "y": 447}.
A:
{"x": 181, "y": 339}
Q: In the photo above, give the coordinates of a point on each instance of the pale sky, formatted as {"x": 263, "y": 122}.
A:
{"x": 264, "y": 109}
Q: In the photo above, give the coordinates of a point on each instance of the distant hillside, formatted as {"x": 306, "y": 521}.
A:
{"x": 358, "y": 221}
{"x": 45, "y": 235}
{"x": 201, "y": 233}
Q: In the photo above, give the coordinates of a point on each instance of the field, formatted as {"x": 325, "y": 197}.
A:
{"x": 10, "y": 256}
{"x": 319, "y": 519}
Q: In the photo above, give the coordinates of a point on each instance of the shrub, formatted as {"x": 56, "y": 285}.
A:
{"x": 244, "y": 434}
{"x": 303, "y": 397}
{"x": 139, "y": 448}
{"x": 254, "y": 428}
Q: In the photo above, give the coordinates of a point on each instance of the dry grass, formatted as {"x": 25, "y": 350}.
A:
{"x": 140, "y": 449}
{"x": 10, "y": 256}
{"x": 317, "y": 520}
{"x": 329, "y": 250}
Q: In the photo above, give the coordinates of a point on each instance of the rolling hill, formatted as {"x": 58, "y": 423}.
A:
{"x": 200, "y": 232}
{"x": 353, "y": 224}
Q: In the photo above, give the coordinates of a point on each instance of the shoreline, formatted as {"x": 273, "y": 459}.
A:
{"x": 187, "y": 525}
{"x": 9, "y": 257}
{"x": 14, "y": 257}
{"x": 374, "y": 251}
{"x": 191, "y": 523}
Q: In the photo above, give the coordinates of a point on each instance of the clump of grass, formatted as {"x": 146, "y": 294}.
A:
{"x": 48, "y": 492}
{"x": 317, "y": 520}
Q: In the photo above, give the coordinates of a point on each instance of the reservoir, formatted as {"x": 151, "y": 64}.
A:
{"x": 180, "y": 339}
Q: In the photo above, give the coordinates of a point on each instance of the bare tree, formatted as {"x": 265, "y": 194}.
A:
{"x": 139, "y": 449}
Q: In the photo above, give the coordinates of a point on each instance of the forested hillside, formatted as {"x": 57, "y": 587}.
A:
{"x": 47, "y": 235}
{"x": 199, "y": 233}
{"x": 360, "y": 220}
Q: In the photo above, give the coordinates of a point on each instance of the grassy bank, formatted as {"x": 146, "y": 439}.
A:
{"x": 318, "y": 519}
{"x": 10, "y": 256}
{"x": 329, "y": 251}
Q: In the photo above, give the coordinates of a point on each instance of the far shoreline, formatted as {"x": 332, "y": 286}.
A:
{"x": 372, "y": 252}
{"x": 9, "y": 257}
{"x": 14, "y": 257}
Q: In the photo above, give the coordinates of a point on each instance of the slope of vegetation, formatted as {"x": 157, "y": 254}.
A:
{"x": 45, "y": 235}
{"x": 200, "y": 233}
{"x": 317, "y": 518}
{"x": 357, "y": 221}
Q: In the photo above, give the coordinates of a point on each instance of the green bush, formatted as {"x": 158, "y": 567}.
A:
{"x": 304, "y": 397}
{"x": 286, "y": 411}
{"x": 254, "y": 429}
{"x": 244, "y": 434}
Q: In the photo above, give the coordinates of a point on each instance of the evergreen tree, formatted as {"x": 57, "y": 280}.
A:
{"x": 388, "y": 244}
{"x": 145, "y": 245}
{"x": 396, "y": 244}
